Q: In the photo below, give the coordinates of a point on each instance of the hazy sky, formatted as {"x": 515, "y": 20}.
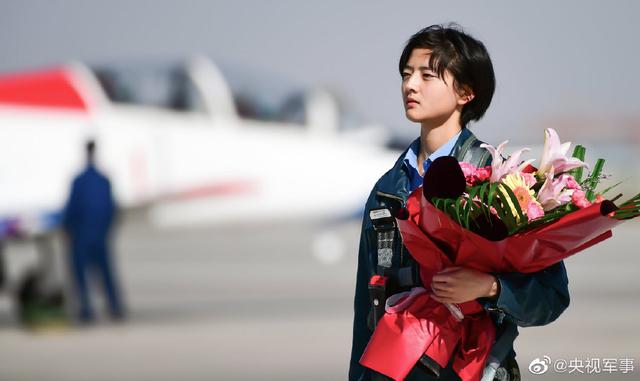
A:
{"x": 565, "y": 64}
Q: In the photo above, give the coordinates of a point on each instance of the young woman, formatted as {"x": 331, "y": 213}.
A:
{"x": 447, "y": 82}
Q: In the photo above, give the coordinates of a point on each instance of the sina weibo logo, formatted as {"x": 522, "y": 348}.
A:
{"x": 538, "y": 366}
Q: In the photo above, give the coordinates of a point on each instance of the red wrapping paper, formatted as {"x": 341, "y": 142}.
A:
{"x": 436, "y": 241}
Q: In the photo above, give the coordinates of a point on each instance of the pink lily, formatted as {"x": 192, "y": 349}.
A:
{"x": 572, "y": 183}
{"x": 529, "y": 179}
{"x": 501, "y": 168}
{"x": 554, "y": 155}
{"x": 554, "y": 192}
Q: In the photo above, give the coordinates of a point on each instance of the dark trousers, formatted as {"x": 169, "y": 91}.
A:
{"x": 89, "y": 260}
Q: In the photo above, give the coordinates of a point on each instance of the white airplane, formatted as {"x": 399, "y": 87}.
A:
{"x": 182, "y": 142}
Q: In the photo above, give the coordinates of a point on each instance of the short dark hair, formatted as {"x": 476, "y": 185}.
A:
{"x": 464, "y": 57}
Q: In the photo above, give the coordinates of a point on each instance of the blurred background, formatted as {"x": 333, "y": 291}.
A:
{"x": 229, "y": 132}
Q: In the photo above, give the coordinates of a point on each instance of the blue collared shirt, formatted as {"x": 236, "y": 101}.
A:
{"x": 411, "y": 159}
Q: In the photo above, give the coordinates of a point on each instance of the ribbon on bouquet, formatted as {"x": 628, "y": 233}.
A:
{"x": 400, "y": 301}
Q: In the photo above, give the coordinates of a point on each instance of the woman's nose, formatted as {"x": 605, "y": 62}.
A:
{"x": 412, "y": 83}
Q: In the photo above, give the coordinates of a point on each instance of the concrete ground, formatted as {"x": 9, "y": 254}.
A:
{"x": 274, "y": 302}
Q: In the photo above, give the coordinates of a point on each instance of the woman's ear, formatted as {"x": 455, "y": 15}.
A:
{"x": 465, "y": 95}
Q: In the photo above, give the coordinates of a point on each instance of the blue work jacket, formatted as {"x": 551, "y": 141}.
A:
{"x": 525, "y": 299}
{"x": 90, "y": 209}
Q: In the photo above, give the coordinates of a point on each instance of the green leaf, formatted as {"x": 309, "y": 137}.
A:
{"x": 482, "y": 191}
{"x": 550, "y": 216}
{"x": 516, "y": 204}
{"x": 633, "y": 199}
{"x": 629, "y": 209}
{"x": 594, "y": 178}
{"x": 458, "y": 210}
{"x": 491, "y": 192}
{"x": 506, "y": 214}
{"x": 469, "y": 206}
{"x": 579, "y": 153}
{"x": 611, "y": 187}
{"x": 447, "y": 206}
{"x": 504, "y": 211}
{"x": 627, "y": 214}
{"x": 483, "y": 195}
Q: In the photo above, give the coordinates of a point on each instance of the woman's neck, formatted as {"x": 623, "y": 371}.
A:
{"x": 434, "y": 136}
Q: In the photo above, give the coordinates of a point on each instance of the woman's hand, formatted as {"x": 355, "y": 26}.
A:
{"x": 461, "y": 284}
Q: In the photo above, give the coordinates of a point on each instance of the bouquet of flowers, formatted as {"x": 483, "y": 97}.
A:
{"x": 508, "y": 217}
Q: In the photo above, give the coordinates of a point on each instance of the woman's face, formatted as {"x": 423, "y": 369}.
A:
{"x": 427, "y": 97}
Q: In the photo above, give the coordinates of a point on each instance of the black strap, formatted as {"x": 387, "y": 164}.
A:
{"x": 404, "y": 277}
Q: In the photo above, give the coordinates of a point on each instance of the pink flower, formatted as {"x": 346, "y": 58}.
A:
{"x": 524, "y": 197}
{"x": 579, "y": 199}
{"x": 483, "y": 174}
{"x": 553, "y": 193}
{"x": 599, "y": 199}
{"x": 468, "y": 171}
{"x": 529, "y": 179}
{"x": 501, "y": 168}
{"x": 554, "y": 155}
{"x": 572, "y": 183}
{"x": 475, "y": 175}
{"x": 534, "y": 211}
{"x": 524, "y": 194}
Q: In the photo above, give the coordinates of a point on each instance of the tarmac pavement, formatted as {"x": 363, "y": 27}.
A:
{"x": 264, "y": 302}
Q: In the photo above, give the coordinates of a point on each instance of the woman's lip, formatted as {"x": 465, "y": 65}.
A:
{"x": 411, "y": 103}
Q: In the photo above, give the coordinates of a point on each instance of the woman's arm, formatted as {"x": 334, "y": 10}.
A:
{"x": 526, "y": 299}
{"x": 532, "y": 299}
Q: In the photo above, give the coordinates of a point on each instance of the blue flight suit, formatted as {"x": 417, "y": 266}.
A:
{"x": 88, "y": 218}
{"x": 525, "y": 299}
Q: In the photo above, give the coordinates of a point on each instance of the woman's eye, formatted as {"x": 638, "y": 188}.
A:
{"x": 406, "y": 75}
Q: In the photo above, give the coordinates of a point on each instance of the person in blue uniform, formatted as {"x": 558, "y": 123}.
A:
{"x": 447, "y": 82}
{"x": 88, "y": 220}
